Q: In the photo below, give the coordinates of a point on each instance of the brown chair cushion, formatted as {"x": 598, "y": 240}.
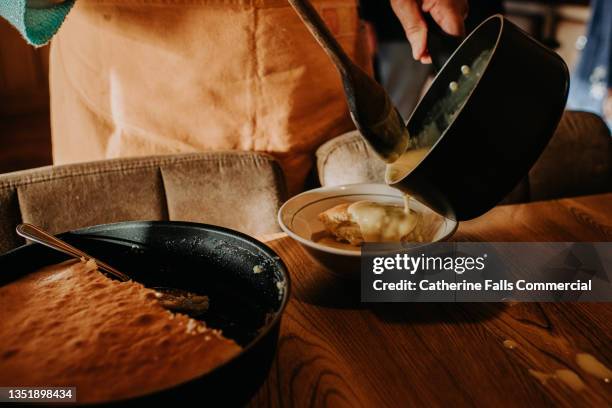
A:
{"x": 237, "y": 190}
{"x": 577, "y": 161}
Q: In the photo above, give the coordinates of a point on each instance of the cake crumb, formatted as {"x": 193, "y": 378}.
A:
{"x": 191, "y": 326}
{"x": 280, "y": 285}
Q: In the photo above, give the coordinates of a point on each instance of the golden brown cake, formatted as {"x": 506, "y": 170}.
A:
{"x": 69, "y": 325}
{"x": 337, "y": 221}
{"x": 367, "y": 221}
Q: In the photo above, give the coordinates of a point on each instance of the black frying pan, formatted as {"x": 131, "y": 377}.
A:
{"x": 206, "y": 259}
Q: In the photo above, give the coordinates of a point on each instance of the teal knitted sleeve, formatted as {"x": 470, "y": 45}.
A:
{"x": 37, "y": 25}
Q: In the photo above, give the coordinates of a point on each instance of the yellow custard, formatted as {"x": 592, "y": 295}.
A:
{"x": 405, "y": 164}
{"x": 382, "y": 222}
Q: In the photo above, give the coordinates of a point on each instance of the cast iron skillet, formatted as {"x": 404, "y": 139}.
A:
{"x": 210, "y": 260}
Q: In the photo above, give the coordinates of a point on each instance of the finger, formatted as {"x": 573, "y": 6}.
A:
{"x": 451, "y": 22}
{"x": 409, "y": 14}
{"x": 460, "y": 7}
{"x": 448, "y": 14}
{"x": 425, "y": 58}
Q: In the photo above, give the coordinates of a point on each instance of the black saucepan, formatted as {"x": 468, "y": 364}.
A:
{"x": 501, "y": 128}
{"x": 206, "y": 259}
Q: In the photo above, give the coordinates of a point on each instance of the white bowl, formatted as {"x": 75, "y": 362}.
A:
{"x": 298, "y": 217}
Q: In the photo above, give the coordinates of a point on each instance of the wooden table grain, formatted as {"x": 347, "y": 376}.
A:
{"x": 334, "y": 351}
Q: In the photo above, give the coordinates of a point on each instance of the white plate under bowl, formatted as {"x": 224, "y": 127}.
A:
{"x": 298, "y": 217}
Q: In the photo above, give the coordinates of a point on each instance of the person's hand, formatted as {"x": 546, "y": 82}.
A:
{"x": 449, "y": 14}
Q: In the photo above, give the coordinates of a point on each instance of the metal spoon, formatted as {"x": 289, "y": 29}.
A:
{"x": 371, "y": 108}
{"x": 177, "y": 300}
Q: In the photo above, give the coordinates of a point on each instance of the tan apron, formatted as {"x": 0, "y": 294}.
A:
{"x": 146, "y": 77}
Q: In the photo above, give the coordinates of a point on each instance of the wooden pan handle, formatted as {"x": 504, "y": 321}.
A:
{"x": 324, "y": 37}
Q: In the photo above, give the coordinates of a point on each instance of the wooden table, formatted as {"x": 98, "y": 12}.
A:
{"x": 335, "y": 351}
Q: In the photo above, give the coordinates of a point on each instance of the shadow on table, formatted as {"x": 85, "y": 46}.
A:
{"x": 329, "y": 291}
{"x": 336, "y": 293}
{"x": 402, "y": 313}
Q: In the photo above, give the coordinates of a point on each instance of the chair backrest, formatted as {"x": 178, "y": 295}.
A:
{"x": 239, "y": 190}
{"x": 577, "y": 161}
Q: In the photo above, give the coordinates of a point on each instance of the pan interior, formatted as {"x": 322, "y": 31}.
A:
{"x": 446, "y": 97}
{"x": 245, "y": 281}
